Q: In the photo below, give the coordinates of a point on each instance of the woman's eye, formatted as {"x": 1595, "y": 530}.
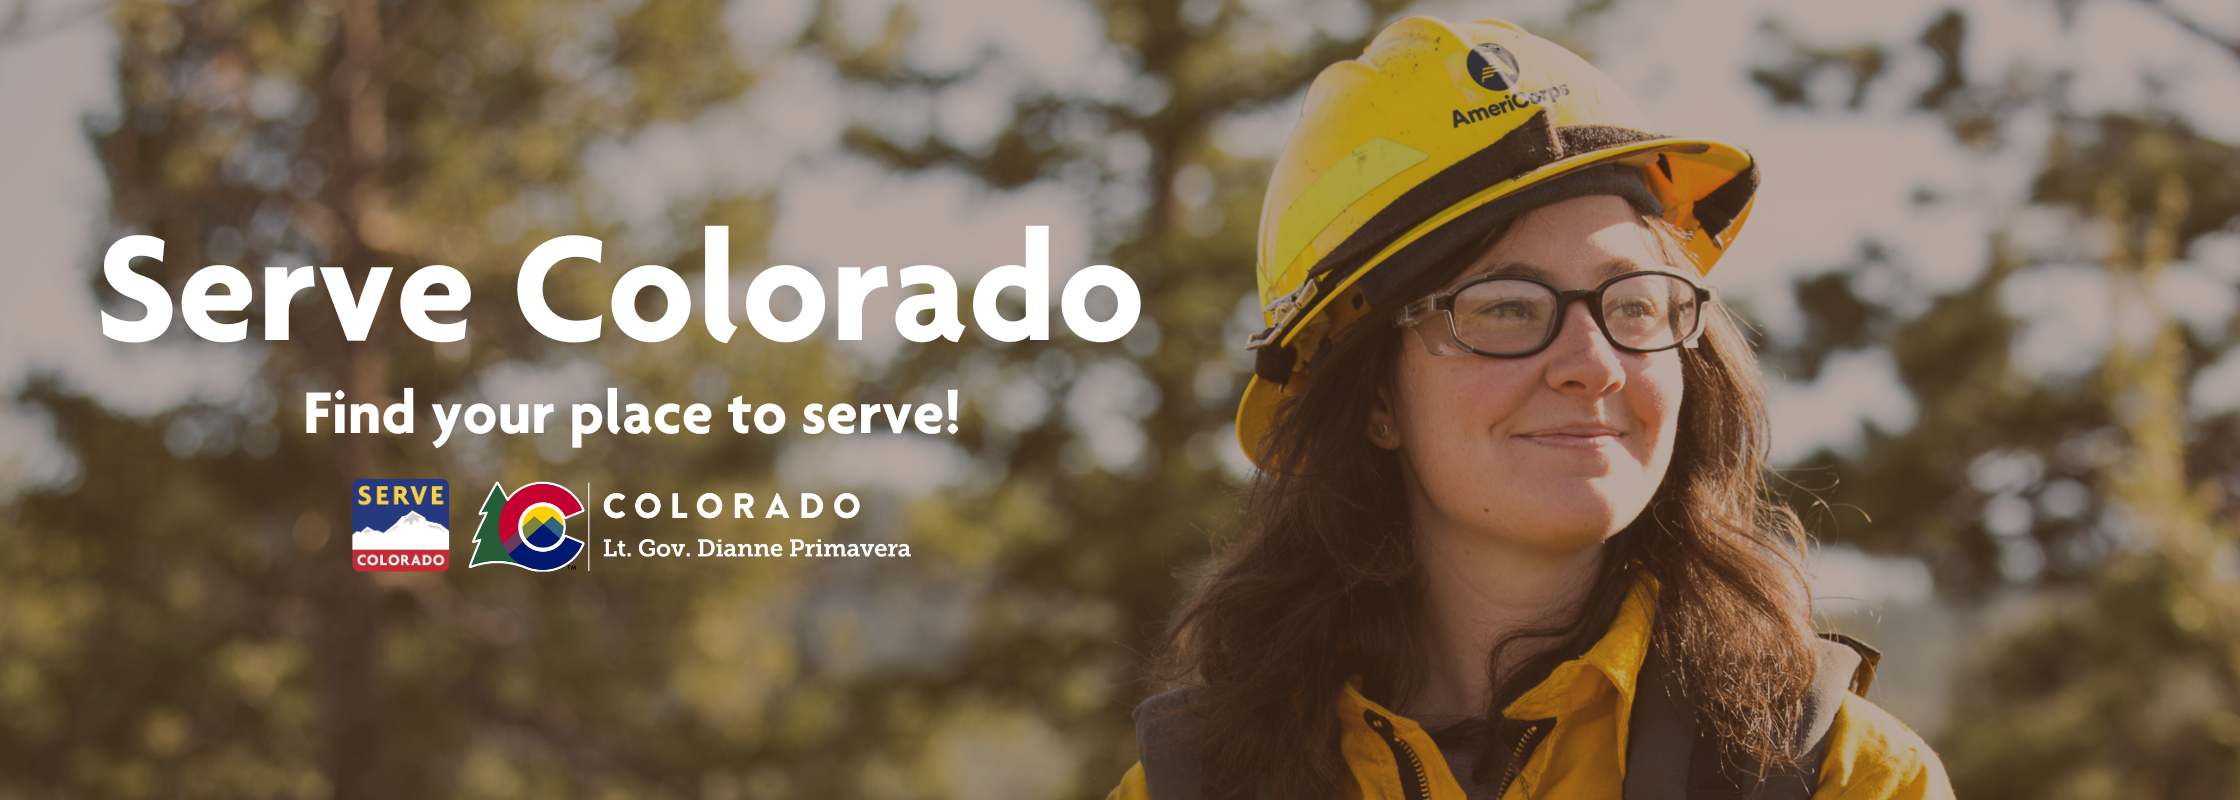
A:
{"x": 1630, "y": 308}
{"x": 1508, "y": 310}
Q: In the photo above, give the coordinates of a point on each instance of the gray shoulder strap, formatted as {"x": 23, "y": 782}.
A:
{"x": 1846, "y": 667}
{"x": 1667, "y": 758}
{"x": 1167, "y": 748}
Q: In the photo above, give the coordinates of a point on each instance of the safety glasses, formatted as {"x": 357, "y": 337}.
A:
{"x": 1509, "y": 316}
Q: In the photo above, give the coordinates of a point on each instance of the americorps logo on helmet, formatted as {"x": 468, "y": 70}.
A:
{"x": 1492, "y": 66}
{"x": 1511, "y": 103}
{"x": 1495, "y": 68}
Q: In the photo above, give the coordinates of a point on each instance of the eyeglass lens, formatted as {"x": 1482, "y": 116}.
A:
{"x": 1506, "y": 315}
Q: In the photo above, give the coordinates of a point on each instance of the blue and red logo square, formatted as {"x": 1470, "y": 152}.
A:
{"x": 400, "y": 525}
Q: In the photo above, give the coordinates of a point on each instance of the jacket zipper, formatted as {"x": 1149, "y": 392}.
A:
{"x": 1534, "y": 731}
{"x": 1415, "y": 783}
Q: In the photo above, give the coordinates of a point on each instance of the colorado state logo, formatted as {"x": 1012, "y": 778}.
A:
{"x": 528, "y": 529}
{"x": 1492, "y": 66}
{"x": 400, "y": 525}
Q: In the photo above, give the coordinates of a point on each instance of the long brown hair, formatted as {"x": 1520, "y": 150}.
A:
{"x": 1322, "y": 583}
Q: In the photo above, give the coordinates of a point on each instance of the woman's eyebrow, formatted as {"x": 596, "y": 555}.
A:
{"x": 1518, "y": 268}
{"x": 1609, "y": 269}
{"x": 1620, "y": 266}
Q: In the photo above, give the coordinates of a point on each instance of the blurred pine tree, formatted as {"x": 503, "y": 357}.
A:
{"x": 1092, "y": 546}
{"x": 2108, "y": 493}
{"x": 181, "y": 618}
{"x": 2131, "y": 688}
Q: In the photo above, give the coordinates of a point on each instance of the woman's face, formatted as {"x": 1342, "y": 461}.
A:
{"x": 1552, "y": 452}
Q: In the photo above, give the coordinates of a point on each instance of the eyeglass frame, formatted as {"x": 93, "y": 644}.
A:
{"x": 1419, "y": 312}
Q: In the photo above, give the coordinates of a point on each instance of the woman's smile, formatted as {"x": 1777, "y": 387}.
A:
{"x": 1576, "y": 437}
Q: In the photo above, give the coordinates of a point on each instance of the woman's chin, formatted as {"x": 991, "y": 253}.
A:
{"x": 1591, "y": 509}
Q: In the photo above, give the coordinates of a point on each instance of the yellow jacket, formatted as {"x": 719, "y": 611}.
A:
{"x": 1870, "y": 753}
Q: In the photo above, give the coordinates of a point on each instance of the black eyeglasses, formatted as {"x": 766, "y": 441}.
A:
{"x": 1509, "y": 316}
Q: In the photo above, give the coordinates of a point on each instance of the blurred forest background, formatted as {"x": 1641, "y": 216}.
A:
{"x": 178, "y": 617}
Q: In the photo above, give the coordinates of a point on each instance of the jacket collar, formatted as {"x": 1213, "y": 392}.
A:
{"x": 1605, "y": 678}
{"x": 1616, "y": 658}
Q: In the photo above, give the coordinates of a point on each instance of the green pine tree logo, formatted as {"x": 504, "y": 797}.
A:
{"x": 489, "y": 542}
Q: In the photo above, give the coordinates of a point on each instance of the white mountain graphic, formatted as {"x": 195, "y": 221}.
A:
{"x": 411, "y": 532}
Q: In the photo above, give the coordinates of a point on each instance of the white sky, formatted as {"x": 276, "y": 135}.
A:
{"x": 1832, "y": 179}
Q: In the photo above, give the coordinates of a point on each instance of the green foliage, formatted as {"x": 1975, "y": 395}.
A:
{"x": 2136, "y": 692}
{"x": 1925, "y": 491}
{"x": 1067, "y": 608}
{"x": 181, "y": 617}
{"x": 2127, "y": 684}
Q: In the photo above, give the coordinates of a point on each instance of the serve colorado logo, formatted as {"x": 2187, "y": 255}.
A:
{"x": 400, "y": 525}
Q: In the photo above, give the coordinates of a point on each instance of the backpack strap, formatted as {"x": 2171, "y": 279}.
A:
{"x": 1660, "y": 734}
{"x": 1166, "y": 746}
{"x": 1668, "y": 757}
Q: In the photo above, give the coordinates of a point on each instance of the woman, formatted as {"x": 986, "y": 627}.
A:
{"x": 1510, "y": 537}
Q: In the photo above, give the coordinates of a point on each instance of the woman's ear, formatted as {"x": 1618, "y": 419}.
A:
{"x": 1383, "y": 431}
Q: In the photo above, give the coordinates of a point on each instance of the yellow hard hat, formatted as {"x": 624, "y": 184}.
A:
{"x": 1403, "y": 152}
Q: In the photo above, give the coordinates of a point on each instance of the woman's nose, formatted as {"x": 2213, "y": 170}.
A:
{"x": 1581, "y": 360}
